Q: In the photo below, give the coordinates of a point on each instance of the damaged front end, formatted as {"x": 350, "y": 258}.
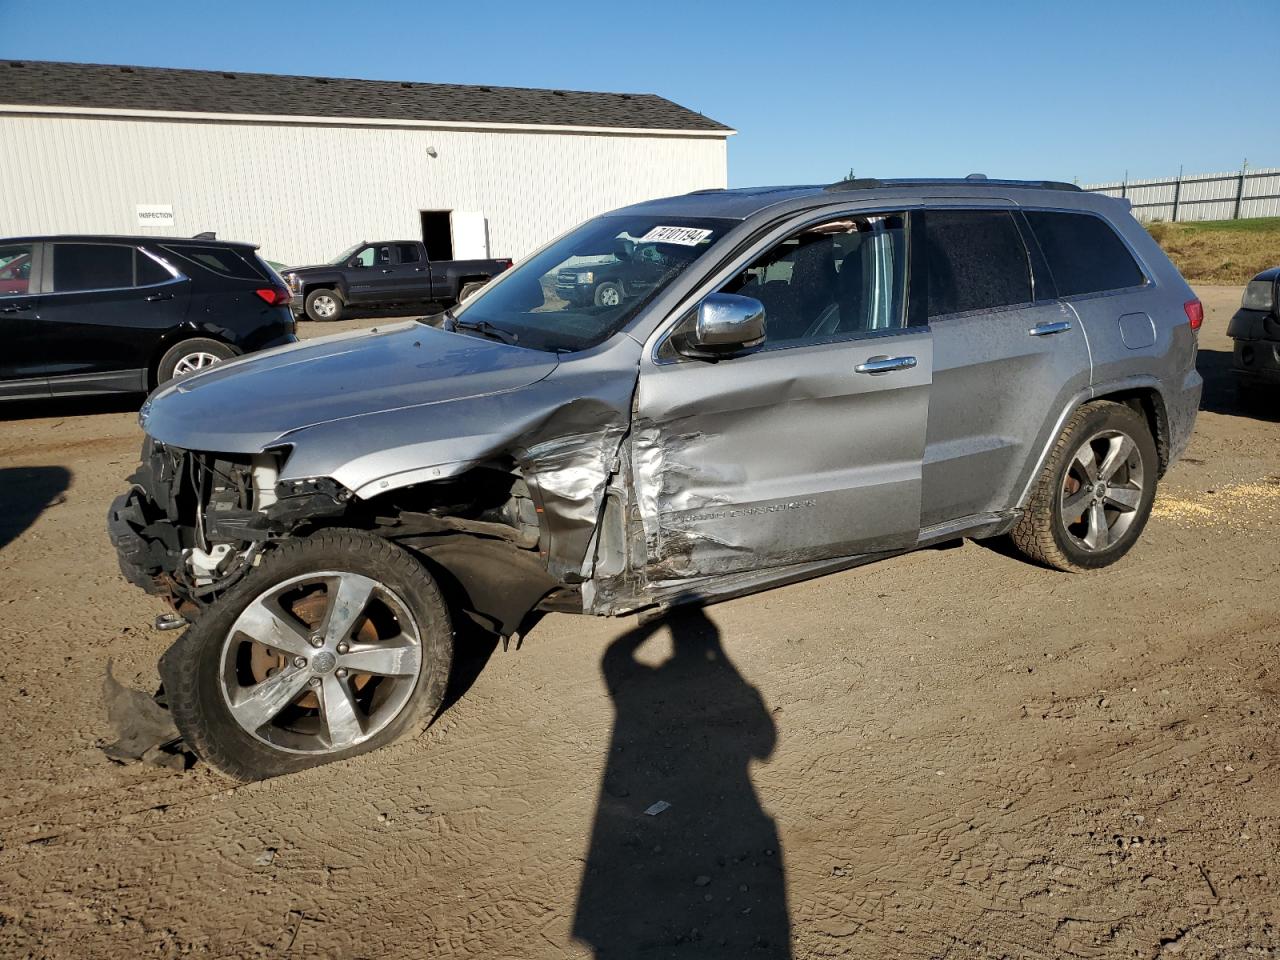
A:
{"x": 192, "y": 524}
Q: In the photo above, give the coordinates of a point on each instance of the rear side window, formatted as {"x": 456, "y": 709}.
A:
{"x": 91, "y": 266}
{"x": 1084, "y": 253}
{"x": 977, "y": 261}
{"x": 408, "y": 252}
{"x": 220, "y": 260}
{"x": 148, "y": 271}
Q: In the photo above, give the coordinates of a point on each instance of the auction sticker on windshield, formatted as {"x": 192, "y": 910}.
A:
{"x": 685, "y": 236}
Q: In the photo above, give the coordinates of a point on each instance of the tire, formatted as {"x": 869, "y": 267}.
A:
{"x": 190, "y": 356}
{"x": 323, "y": 305}
{"x": 1114, "y": 507}
{"x": 469, "y": 289}
{"x": 214, "y": 664}
{"x": 608, "y": 295}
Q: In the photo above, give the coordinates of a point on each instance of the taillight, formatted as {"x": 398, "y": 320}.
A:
{"x": 506, "y": 264}
{"x": 275, "y": 296}
{"x": 1195, "y": 313}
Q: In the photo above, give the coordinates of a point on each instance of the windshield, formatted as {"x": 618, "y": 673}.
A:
{"x": 346, "y": 255}
{"x": 588, "y": 284}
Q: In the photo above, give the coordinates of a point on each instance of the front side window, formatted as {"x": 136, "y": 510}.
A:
{"x": 1084, "y": 253}
{"x": 91, "y": 266}
{"x": 588, "y": 284}
{"x": 977, "y": 261}
{"x": 837, "y": 279}
{"x": 15, "y": 269}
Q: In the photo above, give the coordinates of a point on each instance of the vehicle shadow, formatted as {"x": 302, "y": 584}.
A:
{"x": 1220, "y": 394}
{"x": 25, "y": 493}
{"x": 473, "y": 646}
{"x": 71, "y": 406}
{"x": 681, "y": 852}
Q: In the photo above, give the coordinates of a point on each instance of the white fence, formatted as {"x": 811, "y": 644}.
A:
{"x": 1201, "y": 196}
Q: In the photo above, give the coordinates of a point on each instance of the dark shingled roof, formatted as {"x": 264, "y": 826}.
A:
{"x": 45, "y": 84}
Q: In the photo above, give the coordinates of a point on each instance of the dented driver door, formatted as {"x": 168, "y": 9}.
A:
{"x": 781, "y": 457}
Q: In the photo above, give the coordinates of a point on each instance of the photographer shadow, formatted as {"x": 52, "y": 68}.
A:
{"x": 704, "y": 876}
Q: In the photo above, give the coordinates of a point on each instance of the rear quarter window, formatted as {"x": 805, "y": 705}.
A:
{"x": 1084, "y": 253}
{"x": 220, "y": 260}
{"x": 976, "y": 261}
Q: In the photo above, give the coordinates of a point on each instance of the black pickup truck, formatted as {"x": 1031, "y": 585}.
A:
{"x": 377, "y": 276}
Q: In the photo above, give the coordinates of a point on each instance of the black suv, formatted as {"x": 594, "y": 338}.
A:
{"x": 102, "y": 314}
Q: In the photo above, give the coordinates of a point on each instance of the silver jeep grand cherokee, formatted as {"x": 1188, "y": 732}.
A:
{"x": 820, "y": 377}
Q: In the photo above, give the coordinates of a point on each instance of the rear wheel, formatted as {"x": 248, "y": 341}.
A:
{"x": 1094, "y": 494}
{"x": 334, "y": 646}
{"x": 191, "y": 356}
{"x": 323, "y": 305}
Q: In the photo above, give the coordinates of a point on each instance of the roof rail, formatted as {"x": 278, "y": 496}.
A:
{"x": 973, "y": 180}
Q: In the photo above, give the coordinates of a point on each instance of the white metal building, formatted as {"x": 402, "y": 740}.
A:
{"x": 308, "y": 166}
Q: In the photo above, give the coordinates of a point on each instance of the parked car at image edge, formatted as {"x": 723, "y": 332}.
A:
{"x": 111, "y": 314}
{"x": 388, "y": 273}
{"x": 1255, "y": 330}
{"x": 819, "y": 378}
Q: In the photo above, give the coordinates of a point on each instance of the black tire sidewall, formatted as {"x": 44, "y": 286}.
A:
{"x": 1111, "y": 416}
{"x": 191, "y": 668}
{"x": 310, "y": 312}
{"x": 165, "y": 368}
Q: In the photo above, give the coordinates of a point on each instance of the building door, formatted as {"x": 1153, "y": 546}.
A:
{"x": 437, "y": 234}
{"x": 470, "y": 235}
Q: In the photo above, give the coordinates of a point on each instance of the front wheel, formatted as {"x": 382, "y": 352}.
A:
{"x": 323, "y": 305}
{"x": 333, "y": 646}
{"x": 608, "y": 295}
{"x": 1095, "y": 492}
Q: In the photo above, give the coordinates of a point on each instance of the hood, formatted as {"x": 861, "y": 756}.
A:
{"x": 248, "y": 404}
{"x": 285, "y": 271}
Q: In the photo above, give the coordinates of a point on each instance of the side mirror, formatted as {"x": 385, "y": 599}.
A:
{"x": 724, "y": 326}
{"x": 357, "y": 262}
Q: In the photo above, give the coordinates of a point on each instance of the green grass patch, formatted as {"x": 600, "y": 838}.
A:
{"x": 1220, "y": 251}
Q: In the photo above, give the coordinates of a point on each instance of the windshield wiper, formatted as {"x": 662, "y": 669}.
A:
{"x": 482, "y": 327}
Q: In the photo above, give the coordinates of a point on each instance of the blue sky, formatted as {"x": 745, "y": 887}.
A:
{"x": 1084, "y": 90}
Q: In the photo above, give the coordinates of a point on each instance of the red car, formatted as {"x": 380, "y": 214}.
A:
{"x": 15, "y": 274}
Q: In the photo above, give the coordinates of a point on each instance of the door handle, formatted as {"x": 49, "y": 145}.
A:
{"x": 1048, "y": 329}
{"x": 386, "y": 271}
{"x": 885, "y": 365}
{"x": 157, "y": 297}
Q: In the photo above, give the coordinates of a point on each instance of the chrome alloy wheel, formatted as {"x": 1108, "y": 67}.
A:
{"x": 609, "y": 297}
{"x": 193, "y": 362}
{"x": 321, "y": 662}
{"x": 324, "y": 305}
{"x": 1101, "y": 490}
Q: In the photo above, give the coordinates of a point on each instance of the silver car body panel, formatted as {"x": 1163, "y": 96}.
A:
{"x": 730, "y": 476}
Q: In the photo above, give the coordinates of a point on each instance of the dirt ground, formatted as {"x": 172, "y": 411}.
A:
{"x": 949, "y": 754}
